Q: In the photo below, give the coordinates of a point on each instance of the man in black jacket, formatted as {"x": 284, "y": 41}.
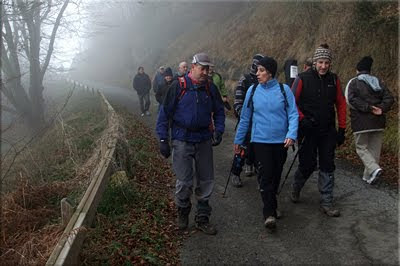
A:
{"x": 142, "y": 85}
{"x": 369, "y": 101}
{"x": 318, "y": 92}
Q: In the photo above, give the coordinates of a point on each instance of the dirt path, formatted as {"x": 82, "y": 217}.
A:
{"x": 366, "y": 233}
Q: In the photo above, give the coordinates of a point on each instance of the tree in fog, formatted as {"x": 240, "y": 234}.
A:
{"x": 29, "y": 29}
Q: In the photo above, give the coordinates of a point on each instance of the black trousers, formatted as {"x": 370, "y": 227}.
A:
{"x": 270, "y": 159}
{"x": 321, "y": 144}
{"x": 144, "y": 100}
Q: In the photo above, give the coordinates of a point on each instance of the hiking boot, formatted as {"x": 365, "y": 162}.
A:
{"x": 142, "y": 115}
{"x": 183, "y": 217}
{"x": 147, "y": 113}
{"x": 270, "y": 222}
{"x": 330, "y": 211}
{"x": 295, "y": 196}
{"x": 249, "y": 170}
{"x": 374, "y": 176}
{"x": 236, "y": 181}
{"x": 366, "y": 178}
{"x": 206, "y": 227}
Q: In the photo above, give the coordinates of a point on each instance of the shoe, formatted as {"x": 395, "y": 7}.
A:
{"x": 366, "y": 178}
{"x": 330, "y": 211}
{"x": 206, "y": 228}
{"x": 374, "y": 176}
{"x": 183, "y": 217}
{"x": 236, "y": 181}
{"x": 147, "y": 113}
{"x": 142, "y": 115}
{"x": 270, "y": 222}
{"x": 249, "y": 170}
{"x": 295, "y": 196}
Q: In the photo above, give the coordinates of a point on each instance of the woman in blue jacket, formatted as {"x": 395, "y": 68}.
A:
{"x": 270, "y": 113}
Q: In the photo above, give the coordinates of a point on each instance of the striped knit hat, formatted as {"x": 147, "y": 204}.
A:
{"x": 322, "y": 52}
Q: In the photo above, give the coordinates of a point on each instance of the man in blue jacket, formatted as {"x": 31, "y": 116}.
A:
{"x": 194, "y": 111}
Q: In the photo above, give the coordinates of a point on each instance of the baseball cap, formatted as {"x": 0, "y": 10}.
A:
{"x": 202, "y": 59}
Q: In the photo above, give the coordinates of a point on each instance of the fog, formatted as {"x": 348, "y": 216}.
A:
{"x": 126, "y": 35}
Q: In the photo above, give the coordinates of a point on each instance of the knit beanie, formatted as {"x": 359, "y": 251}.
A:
{"x": 254, "y": 64}
{"x": 168, "y": 72}
{"x": 365, "y": 64}
{"x": 270, "y": 64}
{"x": 322, "y": 52}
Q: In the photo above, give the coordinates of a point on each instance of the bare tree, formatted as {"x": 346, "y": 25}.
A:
{"x": 27, "y": 49}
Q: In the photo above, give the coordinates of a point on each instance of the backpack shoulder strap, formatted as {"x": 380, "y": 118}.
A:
{"x": 284, "y": 95}
{"x": 253, "y": 90}
{"x": 183, "y": 86}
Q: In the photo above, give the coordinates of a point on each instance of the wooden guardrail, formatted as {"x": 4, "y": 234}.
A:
{"x": 67, "y": 250}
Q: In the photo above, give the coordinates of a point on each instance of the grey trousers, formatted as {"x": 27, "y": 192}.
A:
{"x": 193, "y": 162}
{"x": 368, "y": 148}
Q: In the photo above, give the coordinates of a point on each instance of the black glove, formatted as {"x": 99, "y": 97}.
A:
{"x": 165, "y": 150}
{"x": 306, "y": 125}
{"x": 217, "y": 138}
{"x": 340, "y": 137}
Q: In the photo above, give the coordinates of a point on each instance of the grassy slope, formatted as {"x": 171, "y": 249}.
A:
{"x": 44, "y": 173}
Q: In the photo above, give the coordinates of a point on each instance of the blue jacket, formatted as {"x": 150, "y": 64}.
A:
{"x": 271, "y": 122}
{"x": 189, "y": 116}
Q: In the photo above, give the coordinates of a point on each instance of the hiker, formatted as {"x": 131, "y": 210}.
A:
{"x": 291, "y": 71}
{"x": 317, "y": 92}
{"x": 142, "y": 85}
{"x": 218, "y": 81}
{"x": 160, "y": 94}
{"x": 369, "y": 100}
{"x": 192, "y": 104}
{"x": 307, "y": 64}
{"x": 182, "y": 69}
{"x": 240, "y": 92}
{"x": 158, "y": 80}
{"x": 270, "y": 114}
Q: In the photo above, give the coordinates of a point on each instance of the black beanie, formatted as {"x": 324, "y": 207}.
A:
{"x": 168, "y": 72}
{"x": 365, "y": 64}
{"x": 270, "y": 64}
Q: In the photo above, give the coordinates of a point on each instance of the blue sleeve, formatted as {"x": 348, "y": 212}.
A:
{"x": 244, "y": 120}
{"x": 219, "y": 111}
{"x": 293, "y": 115}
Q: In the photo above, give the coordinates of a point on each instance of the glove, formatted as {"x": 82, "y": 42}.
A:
{"x": 340, "y": 137}
{"x": 165, "y": 150}
{"x": 306, "y": 125}
{"x": 217, "y": 138}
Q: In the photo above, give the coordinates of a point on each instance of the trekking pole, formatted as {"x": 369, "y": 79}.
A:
{"x": 229, "y": 178}
{"x": 290, "y": 168}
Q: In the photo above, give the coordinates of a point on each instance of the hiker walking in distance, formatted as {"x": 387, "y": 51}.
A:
{"x": 318, "y": 92}
{"x": 369, "y": 100}
{"x": 142, "y": 85}
{"x": 193, "y": 109}
{"x": 270, "y": 113}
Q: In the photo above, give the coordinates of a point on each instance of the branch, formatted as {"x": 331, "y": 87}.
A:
{"x": 53, "y": 37}
{"x": 49, "y": 2}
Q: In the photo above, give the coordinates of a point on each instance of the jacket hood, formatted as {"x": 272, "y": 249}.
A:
{"x": 372, "y": 81}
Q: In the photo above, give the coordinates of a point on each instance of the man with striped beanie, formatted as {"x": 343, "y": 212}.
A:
{"x": 319, "y": 99}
